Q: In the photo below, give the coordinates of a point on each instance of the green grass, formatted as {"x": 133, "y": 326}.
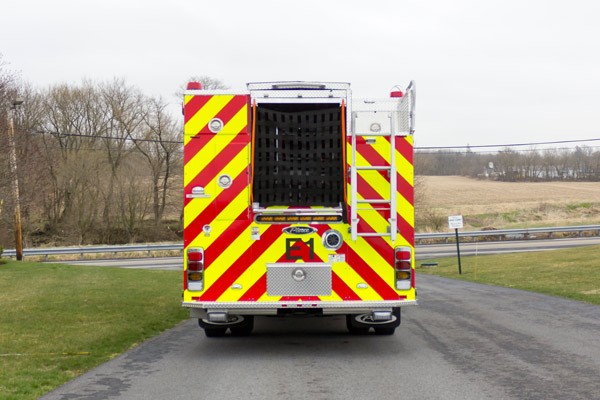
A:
{"x": 58, "y": 321}
{"x": 572, "y": 273}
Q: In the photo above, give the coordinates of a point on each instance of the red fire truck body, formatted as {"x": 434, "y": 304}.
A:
{"x": 298, "y": 200}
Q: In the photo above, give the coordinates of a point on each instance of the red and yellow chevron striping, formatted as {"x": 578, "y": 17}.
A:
{"x": 219, "y": 218}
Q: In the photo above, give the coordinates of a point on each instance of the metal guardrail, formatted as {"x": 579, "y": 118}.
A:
{"x": 110, "y": 249}
{"x": 527, "y": 233}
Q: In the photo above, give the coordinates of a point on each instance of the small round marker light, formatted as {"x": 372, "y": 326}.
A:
{"x": 215, "y": 125}
{"x": 224, "y": 181}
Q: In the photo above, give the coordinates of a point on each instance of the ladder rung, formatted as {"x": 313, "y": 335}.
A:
{"x": 372, "y": 234}
{"x": 374, "y": 168}
{"x": 374, "y": 201}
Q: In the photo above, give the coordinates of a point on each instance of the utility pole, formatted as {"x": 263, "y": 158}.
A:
{"x": 15, "y": 180}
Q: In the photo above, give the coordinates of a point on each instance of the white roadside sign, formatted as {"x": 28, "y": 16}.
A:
{"x": 455, "y": 221}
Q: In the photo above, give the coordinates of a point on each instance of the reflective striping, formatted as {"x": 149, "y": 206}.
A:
{"x": 352, "y": 279}
{"x": 375, "y": 262}
{"x": 192, "y": 105}
{"x": 194, "y": 146}
{"x": 375, "y": 281}
{"x": 232, "y": 162}
{"x": 405, "y": 228}
{"x": 405, "y": 147}
{"x": 405, "y": 169}
{"x": 231, "y": 254}
{"x": 215, "y": 241}
{"x": 379, "y": 155}
{"x": 217, "y": 244}
{"x": 233, "y": 271}
{"x": 194, "y": 227}
{"x": 366, "y": 189}
{"x": 234, "y": 116}
{"x": 250, "y": 277}
{"x": 210, "y": 159}
{"x": 202, "y": 117}
{"x": 256, "y": 290}
{"x": 342, "y": 289}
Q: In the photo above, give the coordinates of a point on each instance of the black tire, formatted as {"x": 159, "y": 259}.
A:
{"x": 215, "y": 332}
{"x": 240, "y": 325}
{"x": 245, "y": 328}
{"x": 385, "y": 331}
{"x": 355, "y": 330}
{"x": 363, "y": 322}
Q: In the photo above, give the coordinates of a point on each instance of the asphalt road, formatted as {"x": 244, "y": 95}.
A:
{"x": 464, "y": 341}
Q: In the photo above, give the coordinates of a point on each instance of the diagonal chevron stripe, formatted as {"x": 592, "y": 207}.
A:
{"x": 377, "y": 280}
{"x": 233, "y": 161}
{"x": 203, "y": 157}
{"x": 379, "y": 154}
{"x": 193, "y": 228}
{"x": 192, "y": 105}
{"x": 232, "y": 272}
{"x": 194, "y": 146}
{"x": 230, "y": 253}
{"x": 202, "y": 117}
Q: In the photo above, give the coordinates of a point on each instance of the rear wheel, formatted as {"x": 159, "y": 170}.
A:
{"x": 245, "y": 328}
{"x": 238, "y": 324}
{"x": 355, "y": 330}
{"x": 215, "y": 332}
{"x": 361, "y": 323}
{"x": 385, "y": 331}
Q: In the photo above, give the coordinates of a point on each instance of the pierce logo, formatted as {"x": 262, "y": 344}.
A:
{"x": 299, "y": 230}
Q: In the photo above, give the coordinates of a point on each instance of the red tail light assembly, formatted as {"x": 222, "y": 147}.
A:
{"x": 195, "y": 268}
{"x": 403, "y": 267}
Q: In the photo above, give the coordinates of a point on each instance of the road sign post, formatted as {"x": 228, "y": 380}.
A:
{"x": 456, "y": 222}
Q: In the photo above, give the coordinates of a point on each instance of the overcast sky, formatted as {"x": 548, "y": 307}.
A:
{"x": 487, "y": 71}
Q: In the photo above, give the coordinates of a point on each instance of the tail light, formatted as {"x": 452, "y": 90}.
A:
{"x": 403, "y": 267}
{"x": 195, "y": 268}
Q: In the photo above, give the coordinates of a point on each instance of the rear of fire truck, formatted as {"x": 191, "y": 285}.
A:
{"x": 298, "y": 201}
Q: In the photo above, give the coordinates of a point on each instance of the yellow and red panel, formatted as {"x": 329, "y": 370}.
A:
{"x": 235, "y": 263}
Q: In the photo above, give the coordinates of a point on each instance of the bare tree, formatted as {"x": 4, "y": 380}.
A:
{"x": 122, "y": 110}
{"x": 133, "y": 198}
{"x": 160, "y": 143}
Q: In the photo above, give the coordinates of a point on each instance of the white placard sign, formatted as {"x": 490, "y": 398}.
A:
{"x": 455, "y": 221}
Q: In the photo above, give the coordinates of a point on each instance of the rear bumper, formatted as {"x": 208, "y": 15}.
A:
{"x": 200, "y": 309}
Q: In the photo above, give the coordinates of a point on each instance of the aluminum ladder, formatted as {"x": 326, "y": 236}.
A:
{"x": 390, "y": 202}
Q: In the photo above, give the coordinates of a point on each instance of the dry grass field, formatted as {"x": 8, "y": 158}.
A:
{"x": 485, "y": 203}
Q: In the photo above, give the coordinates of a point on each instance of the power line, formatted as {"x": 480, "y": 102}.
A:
{"x": 128, "y": 138}
{"x": 484, "y": 152}
{"x": 504, "y": 145}
{"x": 466, "y": 147}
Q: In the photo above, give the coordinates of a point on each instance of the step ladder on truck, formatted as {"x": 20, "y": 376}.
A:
{"x": 298, "y": 200}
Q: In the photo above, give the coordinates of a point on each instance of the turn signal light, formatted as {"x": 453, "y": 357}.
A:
{"x": 402, "y": 275}
{"x": 195, "y": 276}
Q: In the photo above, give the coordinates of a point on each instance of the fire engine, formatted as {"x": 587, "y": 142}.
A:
{"x": 298, "y": 200}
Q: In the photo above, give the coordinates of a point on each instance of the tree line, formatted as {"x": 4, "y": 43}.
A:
{"x": 580, "y": 163}
{"x": 98, "y": 162}
{"x": 101, "y": 162}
